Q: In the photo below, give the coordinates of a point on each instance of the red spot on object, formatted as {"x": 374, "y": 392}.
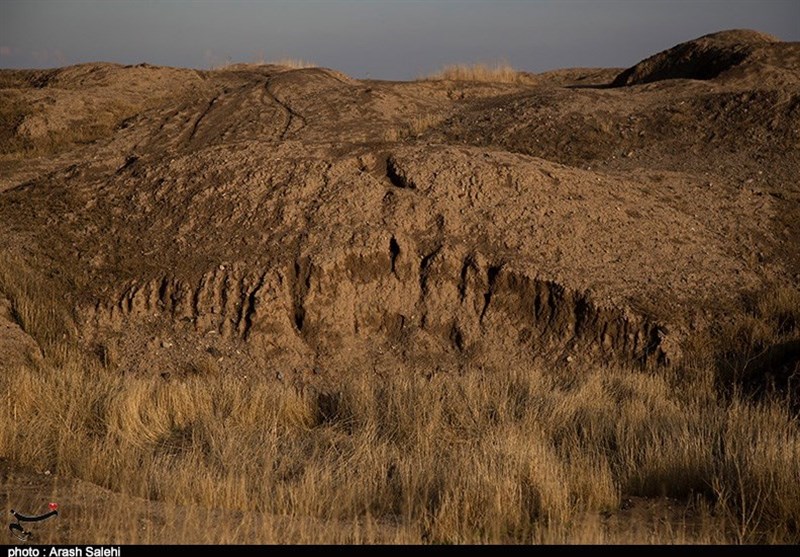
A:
{"x": 53, "y": 506}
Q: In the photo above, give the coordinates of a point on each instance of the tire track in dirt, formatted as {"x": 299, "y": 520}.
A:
{"x": 290, "y": 113}
{"x": 200, "y": 118}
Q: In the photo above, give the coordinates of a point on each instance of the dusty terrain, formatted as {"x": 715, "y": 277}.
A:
{"x": 302, "y": 226}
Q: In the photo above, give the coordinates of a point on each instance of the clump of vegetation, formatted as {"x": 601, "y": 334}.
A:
{"x": 760, "y": 349}
{"x": 293, "y": 63}
{"x": 288, "y": 63}
{"x": 413, "y": 127}
{"x": 497, "y": 73}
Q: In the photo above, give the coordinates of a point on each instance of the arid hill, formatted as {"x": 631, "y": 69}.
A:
{"x": 266, "y": 303}
{"x": 290, "y": 220}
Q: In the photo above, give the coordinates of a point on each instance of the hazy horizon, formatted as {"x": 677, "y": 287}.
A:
{"x": 384, "y": 39}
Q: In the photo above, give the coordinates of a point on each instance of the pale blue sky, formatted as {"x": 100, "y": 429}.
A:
{"x": 386, "y": 39}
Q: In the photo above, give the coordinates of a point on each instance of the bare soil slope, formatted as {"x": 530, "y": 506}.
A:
{"x": 260, "y": 219}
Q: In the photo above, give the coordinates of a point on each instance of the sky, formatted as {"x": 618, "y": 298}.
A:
{"x": 381, "y": 39}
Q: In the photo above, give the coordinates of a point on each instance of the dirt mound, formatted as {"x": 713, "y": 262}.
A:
{"x": 703, "y": 58}
{"x": 263, "y": 219}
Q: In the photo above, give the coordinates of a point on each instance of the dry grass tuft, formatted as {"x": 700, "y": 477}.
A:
{"x": 287, "y": 63}
{"x": 498, "y": 73}
{"x": 34, "y": 304}
{"x": 761, "y": 348}
{"x": 415, "y": 127}
{"x": 293, "y": 63}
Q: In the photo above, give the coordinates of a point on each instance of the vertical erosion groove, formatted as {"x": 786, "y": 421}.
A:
{"x": 457, "y": 338}
{"x": 491, "y": 276}
{"x": 468, "y": 264}
{"x": 228, "y": 300}
{"x": 301, "y": 286}
{"x": 424, "y": 275}
{"x": 424, "y": 270}
{"x": 394, "y": 252}
{"x": 251, "y": 301}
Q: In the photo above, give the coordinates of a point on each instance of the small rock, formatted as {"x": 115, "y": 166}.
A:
{"x": 166, "y": 344}
{"x": 47, "y": 472}
{"x": 279, "y": 376}
{"x": 569, "y": 359}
